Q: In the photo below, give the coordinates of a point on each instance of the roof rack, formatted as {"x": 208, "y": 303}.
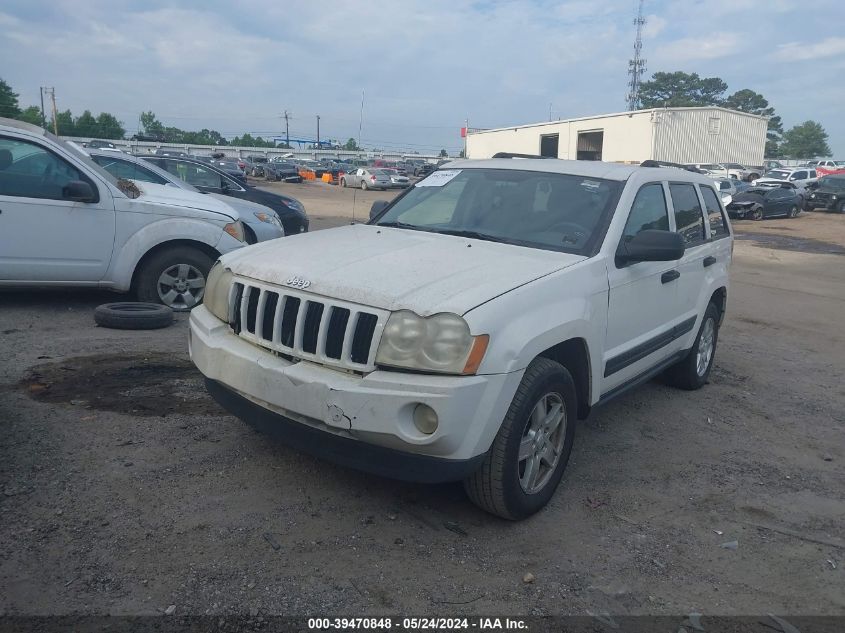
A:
{"x": 512, "y": 155}
{"x": 664, "y": 163}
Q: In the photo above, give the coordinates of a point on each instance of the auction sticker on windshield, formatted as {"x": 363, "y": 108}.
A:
{"x": 438, "y": 178}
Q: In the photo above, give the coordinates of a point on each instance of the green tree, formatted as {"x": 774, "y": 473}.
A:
{"x": 9, "y": 106}
{"x": 444, "y": 153}
{"x": 351, "y": 145}
{"x": 32, "y": 114}
{"x": 66, "y": 123}
{"x": 85, "y": 125}
{"x": 109, "y": 127}
{"x": 806, "y": 140}
{"x": 680, "y": 89}
{"x": 151, "y": 124}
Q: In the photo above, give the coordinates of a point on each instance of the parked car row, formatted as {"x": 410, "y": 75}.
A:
{"x": 152, "y": 224}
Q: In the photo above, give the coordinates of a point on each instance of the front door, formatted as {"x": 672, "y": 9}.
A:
{"x": 643, "y": 308}
{"x": 44, "y": 236}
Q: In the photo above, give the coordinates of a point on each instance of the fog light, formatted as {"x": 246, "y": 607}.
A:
{"x": 425, "y": 419}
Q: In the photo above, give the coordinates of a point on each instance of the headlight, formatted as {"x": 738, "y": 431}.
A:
{"x": 440, "y": 343}
{"x": 236, "y": 230}
{"x": 833, "y": 197}
{"x": 217, "y": 286}
{"x": 812, "y": 195}
{"x": 295, "y": 204}
{"x": 269, "y": 218}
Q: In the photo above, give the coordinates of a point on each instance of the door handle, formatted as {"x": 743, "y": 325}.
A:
{"x": 709, "y": 261}
{"x": 669, "y": 275}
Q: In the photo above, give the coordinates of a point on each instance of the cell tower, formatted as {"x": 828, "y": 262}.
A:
{"x": 636, "y": 66}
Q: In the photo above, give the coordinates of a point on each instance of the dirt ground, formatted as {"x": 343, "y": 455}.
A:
{"x": 124, "y": 490}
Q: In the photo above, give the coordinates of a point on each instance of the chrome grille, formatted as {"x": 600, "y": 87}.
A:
{"x": 306, "y": 326}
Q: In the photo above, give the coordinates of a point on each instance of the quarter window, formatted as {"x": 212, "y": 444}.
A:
{"x": 28, "y": 170}
{"x": 689, "y": 221}
{"x": 718, "y": 225}
{"x": 649, "y": 211}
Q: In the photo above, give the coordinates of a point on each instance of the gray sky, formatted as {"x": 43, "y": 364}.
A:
{"x": 424, "y": 66}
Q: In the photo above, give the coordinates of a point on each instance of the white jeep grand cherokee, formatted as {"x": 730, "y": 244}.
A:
{"x": 462, "y": 332}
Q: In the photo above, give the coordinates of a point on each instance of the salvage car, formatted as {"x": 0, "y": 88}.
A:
{"x": 367, "y": 178}
{"x": 65, "y": 221}
{"x": 397, "y": 180}
{"x": 828, "y": 194}
{"x": 207, "y": 178}
{"x": 758, "y": 203}
{"x": 776, "y": 177}
{"x": 260, "y": 223}
{"x": 462, "y": 331}
{"x": 280, "y": 170}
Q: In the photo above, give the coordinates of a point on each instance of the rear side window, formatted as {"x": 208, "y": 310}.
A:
{"x": 718, "y": 225}
{"x": 799, "y": 175}
{"x": 649, "y": 211}
{"x": 688, "y": 218}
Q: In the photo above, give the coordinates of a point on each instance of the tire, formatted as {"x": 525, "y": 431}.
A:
{"x": 160, "y": 273}
{"x": 840, "y": 208}
{"x": 793, "y": 211}
{"x": 343, "y": 182}
{"x": 693, "y": 370}
{"x": 502, "y": 485}
{"x": 364, "y": 185}
{"x": 757, "y": 214}
{"x": 131, "y": 315}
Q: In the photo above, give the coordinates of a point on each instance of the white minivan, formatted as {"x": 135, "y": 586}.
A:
{"x": 65, "y": 221}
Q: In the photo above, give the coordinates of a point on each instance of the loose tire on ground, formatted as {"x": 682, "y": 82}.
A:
{"x": 131, "y": 315}
{"x": 497, "y": 486}
{"x": 174, "y": 277}
{"x": 693, "y": 370}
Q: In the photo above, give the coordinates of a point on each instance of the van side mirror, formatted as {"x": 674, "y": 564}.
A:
{"x": 651, "y": 245}
{"x": 378, "y": 207}
{"x": 79, "y": 191}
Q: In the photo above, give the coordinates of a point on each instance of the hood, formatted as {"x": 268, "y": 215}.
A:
{"x": 747, "y": 197}
{"x": 175, "y": 197}
{"x": 240, "y": 206}
{"x": 396, "y": 269}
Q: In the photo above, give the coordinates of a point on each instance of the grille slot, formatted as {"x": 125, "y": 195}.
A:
{"x": 304, "y": 326}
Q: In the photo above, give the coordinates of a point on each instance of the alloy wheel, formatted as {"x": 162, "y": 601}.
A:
{"x": 181, "y": 286}
{"x": 542, "y": 443}
{"x": 706, "y": 343}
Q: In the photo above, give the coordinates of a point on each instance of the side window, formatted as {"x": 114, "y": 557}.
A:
{"x": 799, "y": 175}
{"x": 126, "y": 169}
{"x": 28, "y": 170}
{"x": 688, "y": 219}
{"x": 812, "y": 173}
{"x": 194, "y": 174}
{"x": 718, "y": 226}
{"x": 649, "y": 211}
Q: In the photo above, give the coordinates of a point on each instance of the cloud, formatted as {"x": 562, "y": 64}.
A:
{"x": 797, "y": 51}
{"x": 690, "y": 49}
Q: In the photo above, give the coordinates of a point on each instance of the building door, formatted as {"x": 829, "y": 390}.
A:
{"x": 549, "y": 145}
{"x": 590, "y": 145}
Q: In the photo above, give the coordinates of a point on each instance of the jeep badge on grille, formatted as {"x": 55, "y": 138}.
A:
{"x": 298, "y": 282}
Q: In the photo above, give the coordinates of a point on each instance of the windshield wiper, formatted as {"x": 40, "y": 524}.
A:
{"x": 403, "y": 225}
{"x": 474, "y": 235}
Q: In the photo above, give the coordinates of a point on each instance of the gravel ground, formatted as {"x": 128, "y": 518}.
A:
{"x": 124, "y": 489}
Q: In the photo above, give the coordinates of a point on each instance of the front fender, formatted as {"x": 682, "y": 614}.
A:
{"x": 525, "y": 322}
{"x": 138, "y": 242}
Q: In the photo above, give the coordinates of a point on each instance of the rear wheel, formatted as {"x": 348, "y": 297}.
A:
{"x": 693, "y": 371}
{"x": 757, "y": 214}
{"x": 529, "y": 454}
{"x": 174, "y": 277}
{"x": 364, "y": 185}
{"x": 794, "y": 211}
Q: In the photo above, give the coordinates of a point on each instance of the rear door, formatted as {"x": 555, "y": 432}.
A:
{"x": 44, "y": 236}
{"x": 687, "y": 210}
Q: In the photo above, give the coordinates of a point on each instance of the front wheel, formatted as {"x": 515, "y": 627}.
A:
{"x": 840, "y": 208}
{"x": 343, "y": 182}
{"x": 529, "y": 454}
{"x": 757, "y": 214}
{"x": 364, "y": 185}
{"x": 692, "y": 372}
{"x": 794, "y": 211}
{"x": 174, "y": 277}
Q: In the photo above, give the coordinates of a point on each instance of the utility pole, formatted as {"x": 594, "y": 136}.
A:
{"x": 636, "y": 66}
{"x": 287, "y": 130}
{"x": 361, "y": 121}
{"x": 318, "y": 131}
{"x": 43, "y": 118}
{"x": 52, "y": 93}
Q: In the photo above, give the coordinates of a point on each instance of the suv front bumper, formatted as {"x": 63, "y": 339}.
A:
{"x": 364, "y": 421}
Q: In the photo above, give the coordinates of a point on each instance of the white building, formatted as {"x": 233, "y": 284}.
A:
{"x": 678, "y": 135}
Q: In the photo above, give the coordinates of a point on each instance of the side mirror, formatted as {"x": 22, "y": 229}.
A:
{"x": 651, "y": 245}
{"x": 79, "y": 191}
{"x": 378, "y": 207}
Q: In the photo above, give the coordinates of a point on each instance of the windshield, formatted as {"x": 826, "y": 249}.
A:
{"x": 558, "y": 212}
{"x": 777, "y": 174}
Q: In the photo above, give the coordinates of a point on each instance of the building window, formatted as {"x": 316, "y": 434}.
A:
{"x": 714, "y": 125}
